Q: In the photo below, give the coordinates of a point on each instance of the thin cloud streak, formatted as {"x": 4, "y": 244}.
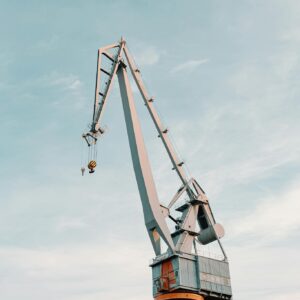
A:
{"x": 189, "y": 66}
{"x": 68, "y": 223}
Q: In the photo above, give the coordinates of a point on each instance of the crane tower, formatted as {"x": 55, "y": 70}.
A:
{"x": 180, "y": 272}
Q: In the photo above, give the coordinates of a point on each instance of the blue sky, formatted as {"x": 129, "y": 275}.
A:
{"x": 225, "y": 76}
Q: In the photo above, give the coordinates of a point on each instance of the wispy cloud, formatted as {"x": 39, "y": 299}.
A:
{"x": 76, "y": 272}
{"x": 66, "y": 81}
{"x": 273, "y": 218}
{"x": 282, "y": 295}
{"x": 189, "y": 66}
{"x": 270, "y": 263}
{"x": 46, "y": 44}
{"x": 6, "y": 59}
{"x": 70, "y": 86}
{"x": 148, "y": 56}
{"x": 68, "y": 223}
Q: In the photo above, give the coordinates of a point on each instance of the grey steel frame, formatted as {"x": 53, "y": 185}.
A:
{"x": 197, "y": 208}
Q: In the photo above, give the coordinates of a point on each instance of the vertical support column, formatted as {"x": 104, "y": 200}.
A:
{"x": 153, "y": 213}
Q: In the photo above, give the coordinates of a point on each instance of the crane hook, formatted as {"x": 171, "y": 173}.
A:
{"x": 82, "y": 170}
{"x": 92, "y": 165}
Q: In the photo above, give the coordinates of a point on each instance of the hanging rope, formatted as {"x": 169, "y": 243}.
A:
{"x": 82, "y": 159}
{"x": 91, "y": 162}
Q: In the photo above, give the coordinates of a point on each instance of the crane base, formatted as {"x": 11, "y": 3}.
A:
{"x": 179, "y": 296}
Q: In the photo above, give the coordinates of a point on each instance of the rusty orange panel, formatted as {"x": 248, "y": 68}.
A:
{"x": 179, "y": 296}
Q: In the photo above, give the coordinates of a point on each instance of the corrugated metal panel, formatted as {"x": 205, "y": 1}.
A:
{"x": 188, "y": 273}
{"x": 214, "y": 275}
{"x": 215, "y": 267}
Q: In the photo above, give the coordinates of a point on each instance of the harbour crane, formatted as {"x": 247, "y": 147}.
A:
{"x": 180, "y": 272}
